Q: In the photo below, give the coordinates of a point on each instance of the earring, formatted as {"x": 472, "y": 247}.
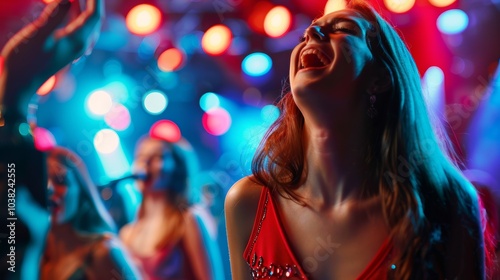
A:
{"x": 372, "y": 112}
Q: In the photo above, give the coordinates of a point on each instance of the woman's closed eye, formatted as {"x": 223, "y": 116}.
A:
{"x": 344, "y": 28}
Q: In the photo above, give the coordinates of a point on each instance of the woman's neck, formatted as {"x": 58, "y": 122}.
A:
{"x": 335, "y": 160}
{"x": 62, "y": 238}
{"x": 156, "y": 204}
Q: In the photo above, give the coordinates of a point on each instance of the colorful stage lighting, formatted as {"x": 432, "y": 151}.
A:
{"x": 118, "y": 117}
{"x": 216, "y": 39}
{"x": 209, "y": 101}
{"x": 399, "y": 6}
{"x": 99, "y": 102}
{"x": 170, "y": 60}
{"x": 216, "y": 121}
{"x": 106, "y": 141}
{"x": 155, "y": 102}
{"x": 143, "y": 19}
{"x": 277, "y": 21}
{"x": 452, "y": 21}
{"x": 257, "y": 64}
{"x": 165, "y": 130}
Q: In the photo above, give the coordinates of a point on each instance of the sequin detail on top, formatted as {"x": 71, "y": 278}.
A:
{"x": 275, "y": 271}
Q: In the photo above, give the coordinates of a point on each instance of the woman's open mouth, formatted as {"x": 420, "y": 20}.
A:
{"x": 313, "y": 58}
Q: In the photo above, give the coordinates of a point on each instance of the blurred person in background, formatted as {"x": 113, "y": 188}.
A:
{"x": 28, "y": 59}
{"x": 166, "y": 239}
{"x": 81, "y": 242}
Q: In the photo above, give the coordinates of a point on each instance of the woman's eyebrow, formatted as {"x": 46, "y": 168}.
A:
{"x": 338, "y": 20}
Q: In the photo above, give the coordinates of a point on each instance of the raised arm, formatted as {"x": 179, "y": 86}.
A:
{"x": 40, "y": 49}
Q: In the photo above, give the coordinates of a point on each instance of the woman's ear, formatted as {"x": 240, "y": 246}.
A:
{"x": 381, "y": 81}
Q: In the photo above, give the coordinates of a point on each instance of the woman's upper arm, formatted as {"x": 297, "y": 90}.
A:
{"x": 195, "y": 248}
{"x": 240, "y": 208}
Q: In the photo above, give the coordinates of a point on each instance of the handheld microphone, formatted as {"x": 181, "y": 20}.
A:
{"x": 113, "y": 183}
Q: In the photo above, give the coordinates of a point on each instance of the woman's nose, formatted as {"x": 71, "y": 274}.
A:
{"x": 314, "y": 32}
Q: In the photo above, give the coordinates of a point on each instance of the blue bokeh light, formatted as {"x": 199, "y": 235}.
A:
{"x": 257, "y": 64}
{"x": 209, "y": 100}
{"x": 155, "y": 102}
{"x": 269, "y": 114}
{"x": 452, "y": 21}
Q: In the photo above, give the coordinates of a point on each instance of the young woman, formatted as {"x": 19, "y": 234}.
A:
{"x": 165, "y": 240}
{"x": 80, "y": 243}
{"x": 351, "y": 182}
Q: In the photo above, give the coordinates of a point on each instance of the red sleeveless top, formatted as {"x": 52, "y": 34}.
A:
{"x": 269, "y": 255}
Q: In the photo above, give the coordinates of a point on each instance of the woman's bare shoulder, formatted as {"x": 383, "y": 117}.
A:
{"x": 242, "y": 200}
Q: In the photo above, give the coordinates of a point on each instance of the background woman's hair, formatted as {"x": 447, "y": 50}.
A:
{"x": 92, "y": 216}
{"x": 176, "y": 192}
{"x": 419, "y": 185}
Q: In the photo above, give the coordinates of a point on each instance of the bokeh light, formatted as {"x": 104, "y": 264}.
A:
{"x": 165, "y": 130}
{"x": 24, "y": 129}
{"x": 170, "y": 60}
{"x": 216, "y": 121}
{"x": 257, "y": 64}
{"x": 44, "y": 139}
{"x": 99, "y": 102}
{"x": 277, "y": 21}
{"x": 434, "y": 76}
{"x": 106, "y": 141}
{"x": 118, "y": 117}
{"x": 441, "y": 3}
{"x": 269, "y": 114}
{"x": 433, "y": 89}
{"x": 143, "y": 19}
{"x": 209, "y": 101}
{"x": 216, "y": 39}
{"x": 155, "y": 102}
{"x": 48, "y": 86}
{"x": 334, "y": 5}
{"x": 258, "y": 15}
{"x": 399, "y": 6}
{"x": 452, "y": 21}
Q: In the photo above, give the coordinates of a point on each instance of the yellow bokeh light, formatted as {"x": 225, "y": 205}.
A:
{"x": 399, "y": 6}
{"x": 277, "y": 21}
{"x": 143, "y": 19}
{"x": 441, "y": 3}
{"x": 216, "y": 39}
{"x": 334, "y": 5}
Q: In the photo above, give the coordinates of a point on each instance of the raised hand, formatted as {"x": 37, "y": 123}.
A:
{"x": 41, "y": 49}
